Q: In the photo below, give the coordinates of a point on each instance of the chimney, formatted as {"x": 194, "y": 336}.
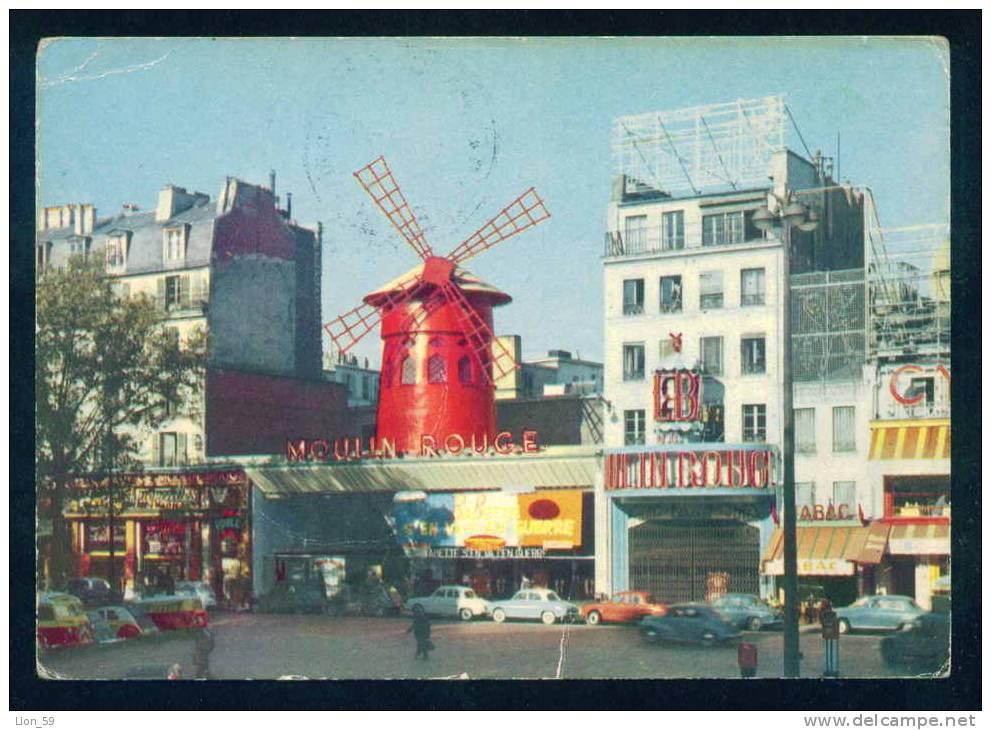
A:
{"x": 83, "y": 220}
{"x": 173, "y": 200}
{"x": 271, "y": 181}
{"x": 289, "y": 206}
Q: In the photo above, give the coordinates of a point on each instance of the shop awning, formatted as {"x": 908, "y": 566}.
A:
{"x": 538, "y": 471}
{"x": 917, "y": 439}
{"x": 828, "y": 550}
{"x": 933, "y": 539}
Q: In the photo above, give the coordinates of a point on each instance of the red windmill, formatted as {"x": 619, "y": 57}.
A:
{"x": 440, "y": 359}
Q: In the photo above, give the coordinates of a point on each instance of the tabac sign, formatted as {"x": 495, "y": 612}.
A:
{"x": 682, "y": 466}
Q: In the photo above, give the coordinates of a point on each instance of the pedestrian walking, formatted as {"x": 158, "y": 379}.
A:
{"x": 420, "y": 628}
{"x": 201, "y": 653}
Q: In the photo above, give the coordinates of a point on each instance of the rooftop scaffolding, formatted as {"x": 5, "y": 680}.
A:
{"x": 707, "y": 148}
{"x": 909, "y": 285}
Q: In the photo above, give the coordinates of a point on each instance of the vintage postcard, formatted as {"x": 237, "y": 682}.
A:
{"x": 493, "y": 358}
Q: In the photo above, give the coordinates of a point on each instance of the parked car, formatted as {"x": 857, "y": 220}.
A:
{"x": 923, "y": 643}
{"x": 112, "y": 623}
{"x": 93, "y": 592}
{"x": 154, "y": 671}
{"x": 745, "y": 611}
{"x": 198, "y": 590}
{"x": 692, "y": 622}
{"x": 62, "y": 621}
{"x": 174, "y": 612}
{"x": 877, "y": 613}
{"x": 623, "y": 607}
{"x": 460, "y": 601}
{"x": 372, "y": 600}
{"x": 534, "y": 603}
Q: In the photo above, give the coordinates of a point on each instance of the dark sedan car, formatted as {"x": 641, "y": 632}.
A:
{"x": 692, "y": 622}
{"x": 747, "y": 611}
{"x": 93, "y": 592}
{"x": 923, "y": 643}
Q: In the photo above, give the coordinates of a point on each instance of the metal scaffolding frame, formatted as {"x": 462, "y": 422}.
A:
{"x": 712, "y": 147}
{"x": 909, "y": 290}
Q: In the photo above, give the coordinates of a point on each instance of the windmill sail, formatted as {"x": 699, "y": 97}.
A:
{"x": 525, "y": 212}
{"x": 377, "y": 180}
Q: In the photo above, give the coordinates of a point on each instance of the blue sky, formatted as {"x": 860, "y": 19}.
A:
{"x": 466, "y": 126}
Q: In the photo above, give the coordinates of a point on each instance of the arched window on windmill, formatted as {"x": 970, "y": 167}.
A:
{"x": 436, "y": 369}
{"x": 407, "y": 372}
{"x": 464, "y": 370}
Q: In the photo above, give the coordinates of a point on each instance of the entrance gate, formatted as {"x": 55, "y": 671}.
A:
{"x": 687, "y": 561}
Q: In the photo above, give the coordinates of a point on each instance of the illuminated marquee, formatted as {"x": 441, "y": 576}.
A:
{"x": 708, "y": 467}
{"x": 454, "y": 444}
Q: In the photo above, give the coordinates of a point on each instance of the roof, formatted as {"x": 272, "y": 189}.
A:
{"x": 569, "y": 467}
{"x": 145, "y": 252}
{"x": 466, "y": 281}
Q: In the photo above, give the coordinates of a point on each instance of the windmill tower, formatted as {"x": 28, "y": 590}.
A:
{"x": 440, "y": 359}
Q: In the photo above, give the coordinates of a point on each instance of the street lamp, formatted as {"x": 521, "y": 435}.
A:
{"x": 787, "y": 213}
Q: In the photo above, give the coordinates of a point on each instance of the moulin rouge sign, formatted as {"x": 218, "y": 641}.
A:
{"x": 454, "y": 444}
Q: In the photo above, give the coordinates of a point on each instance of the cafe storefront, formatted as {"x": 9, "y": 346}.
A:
{"x": 191, "y": 525}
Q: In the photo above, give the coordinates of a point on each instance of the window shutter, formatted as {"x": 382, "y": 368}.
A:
{"x": 184, "y": 291}
{"x": 181, "y": 456}
{"x": 156, "y": 452}
{"x": 160, "y": 299}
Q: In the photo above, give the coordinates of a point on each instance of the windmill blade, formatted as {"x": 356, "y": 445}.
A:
{"x": 485, "y": 349}
{"x": 347, "y": 329}
{"x": 526, "y": 211}
{"x": 377, "y": 180}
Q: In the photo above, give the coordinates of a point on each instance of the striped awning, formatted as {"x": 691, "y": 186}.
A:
{"x": 825, "y": 543}
{"x": 932, "y": 539}
{"x": 915, "y": 439}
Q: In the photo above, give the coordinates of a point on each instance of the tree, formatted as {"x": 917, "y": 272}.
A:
{"x": 106, "y": 365}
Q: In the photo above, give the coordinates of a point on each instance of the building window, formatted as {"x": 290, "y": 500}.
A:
{"x": 922, "y": 386}
{"x": 844, "y": 429}
{"x": 633, "y": 296}
{"x": 755, "y": 422}
{"x": 116, "y": 249}
{"x": 366, "y": 387}
{"x": 464, "y": 370}
{"x": 752, "y": 287}
{"x": 805, "y": 430}
{"x": 633, "y": 362}
{"x": 44, "y": 255}
{"x": 171, "y": 448}
{"x": 845, "y": 493}
{"x": 175, "y": 291}
{"x": 711, "y": 349}
{"x": 174, "y": 244}
{"x": 635, "y": 231}
{"x": 666, "y": 348}
{"x": 713, "y": 422}
{"x": 752, "y": 356}
{"x": 634, "y": 427}
{"x": 436, "y": 369}
{"x": 407, "y": 372}
{"x": 805, "y": 496}
{"x": 919, "y": 496}
{"x": 670, "y": 294}
{"x": 722, "y": 228}
{"x": 673, "y": 230}
{"x": 711, "y": 290}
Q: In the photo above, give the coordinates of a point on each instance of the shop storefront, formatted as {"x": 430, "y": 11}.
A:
{"x": 689, "y": 521}
{"x": 486, "y": 520}
{"x": 190, "y": 525}
{"x": 499, "y": 541}
{"x": 836, "y": 561}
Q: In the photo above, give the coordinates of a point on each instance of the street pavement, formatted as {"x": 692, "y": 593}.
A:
{"x": 265, "y": 646}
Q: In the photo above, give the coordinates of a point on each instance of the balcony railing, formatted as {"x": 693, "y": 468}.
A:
{"x": 652, "y": 239}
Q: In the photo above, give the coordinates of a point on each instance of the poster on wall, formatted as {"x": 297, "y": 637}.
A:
{"x": 98, "y": 536}
{"x": 485, "y": 521}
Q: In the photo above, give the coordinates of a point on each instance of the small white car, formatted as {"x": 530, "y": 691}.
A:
{"x": 531, "y": 603}
{"x": 197, "y": 590}
{"x": 460, "y": 601}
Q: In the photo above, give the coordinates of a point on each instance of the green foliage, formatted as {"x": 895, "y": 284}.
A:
{"x": 105, "y": 366}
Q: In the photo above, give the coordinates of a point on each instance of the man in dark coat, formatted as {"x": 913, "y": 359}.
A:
{"x": 420, "y": 629}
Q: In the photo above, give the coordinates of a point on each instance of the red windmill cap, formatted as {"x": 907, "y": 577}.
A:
{"x": 470, "y": 284}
